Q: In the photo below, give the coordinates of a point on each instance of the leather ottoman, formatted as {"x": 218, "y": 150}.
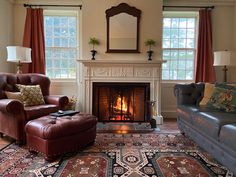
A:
{"x": 55, "y": 136}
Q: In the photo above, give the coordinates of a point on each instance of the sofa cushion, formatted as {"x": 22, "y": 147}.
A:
{"x": 186, "y": 111}
{"x": 209, "y": 123}
{"x": 208, "y": 90}
{"x": 31, "y": 94}
{"x": 223, "y": 99}
{"x": 228, "y": 136}
{"x": 33, "y": 112}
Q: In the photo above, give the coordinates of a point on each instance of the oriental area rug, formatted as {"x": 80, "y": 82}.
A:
{"x": 118, "y": 155}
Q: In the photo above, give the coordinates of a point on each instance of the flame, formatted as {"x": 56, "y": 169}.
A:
{"x": 120, "y": 104}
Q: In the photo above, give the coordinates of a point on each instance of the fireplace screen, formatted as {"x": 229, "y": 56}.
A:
{"x": 121, "y": 101}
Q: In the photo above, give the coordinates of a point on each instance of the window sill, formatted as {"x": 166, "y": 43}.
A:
{"x": 176, "y": 81}
{"x": 63, "y": 80}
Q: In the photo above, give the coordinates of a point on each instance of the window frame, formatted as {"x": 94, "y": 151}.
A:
{"x": 181, "y": 14}
{"x": 68, "y": 12}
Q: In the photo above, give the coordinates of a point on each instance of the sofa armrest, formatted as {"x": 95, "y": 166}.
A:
{"x": 60, "y": 100}
{"x": 11, "y": 106}
{"x": 190, "y": 94}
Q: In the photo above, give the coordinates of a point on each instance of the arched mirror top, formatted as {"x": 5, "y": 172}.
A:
{"x": 123, "y": 29}
{"x": 123, "y": 8}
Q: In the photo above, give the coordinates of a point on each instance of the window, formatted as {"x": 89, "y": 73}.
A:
{"x": 61, "y": 42}
{"x": 179, "y": 45}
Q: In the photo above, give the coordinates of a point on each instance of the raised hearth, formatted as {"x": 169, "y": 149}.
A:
{"x": 118, "y": 71}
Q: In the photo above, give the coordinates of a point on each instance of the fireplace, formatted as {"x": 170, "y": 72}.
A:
{"x": 118, "y": 71}
{"x": 121, "y": 102}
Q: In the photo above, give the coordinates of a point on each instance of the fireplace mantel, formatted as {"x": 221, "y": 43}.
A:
{"x": 97, "y": 62}
{"x": 119, "y": 71}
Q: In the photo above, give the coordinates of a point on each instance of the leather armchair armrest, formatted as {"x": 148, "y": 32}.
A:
{"x": 11, "y": 106}
{"x": 189, "y": 93}
{"x": 60, "y": 100}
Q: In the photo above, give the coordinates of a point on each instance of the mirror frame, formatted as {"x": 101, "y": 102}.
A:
{"x": 115, "y": 10}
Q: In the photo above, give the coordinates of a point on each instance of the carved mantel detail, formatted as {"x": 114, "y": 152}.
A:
{"x": 118, "y": 71}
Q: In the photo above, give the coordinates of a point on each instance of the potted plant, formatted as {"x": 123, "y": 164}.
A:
{"x": 150, "y": 43}
{"x": 93, "y": 41}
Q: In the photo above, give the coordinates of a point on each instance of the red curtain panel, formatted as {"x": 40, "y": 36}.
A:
{"x": 34, "y": 39}
{"x": 205, "y": 71}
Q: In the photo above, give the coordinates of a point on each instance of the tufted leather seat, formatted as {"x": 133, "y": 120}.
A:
{"x": 53, "y": 137}
{"x": 13, "y": 115}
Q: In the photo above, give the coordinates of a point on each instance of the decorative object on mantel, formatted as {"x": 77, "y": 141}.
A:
{"x": 150, "y": 43}
{"x": 93, "y": 41}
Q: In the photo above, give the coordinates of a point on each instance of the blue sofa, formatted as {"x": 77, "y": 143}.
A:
{"x": 211, "y": 129}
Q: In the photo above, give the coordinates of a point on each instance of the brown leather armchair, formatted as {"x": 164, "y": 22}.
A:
{"x": 13, "y": 114}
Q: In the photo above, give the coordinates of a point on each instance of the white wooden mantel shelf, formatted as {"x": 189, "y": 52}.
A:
{"x": 100, "y": 61}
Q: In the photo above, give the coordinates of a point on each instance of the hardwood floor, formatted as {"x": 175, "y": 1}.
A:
{"x": 169, "y": 126}
{"x": 5, "y": 141}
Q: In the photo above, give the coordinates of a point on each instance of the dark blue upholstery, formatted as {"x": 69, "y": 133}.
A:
{"x": 213, "y": 130}
{"x": 228, "y": 136}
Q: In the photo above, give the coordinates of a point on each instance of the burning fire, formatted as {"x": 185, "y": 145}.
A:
{"x": 120, "y": 104}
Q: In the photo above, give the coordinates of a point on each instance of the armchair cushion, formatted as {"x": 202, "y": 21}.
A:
{"x": 33, "y": 112}
{"x": 31, "y": 94}
{"x": 14, "y": 95}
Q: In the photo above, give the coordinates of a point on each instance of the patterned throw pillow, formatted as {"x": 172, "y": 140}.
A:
{"x": 208, "y": 90}
{"x": 13, "y": 95}
{"x": 226, "y": 86}
{"x": 223, "y": 99}
{"x": 31, "y": 94}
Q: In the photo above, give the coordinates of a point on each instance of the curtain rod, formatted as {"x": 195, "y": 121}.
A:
{"x": 51, "y": 5}
{"x": 193, "y": 7}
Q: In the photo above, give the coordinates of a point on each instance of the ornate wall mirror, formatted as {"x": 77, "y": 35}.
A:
{"x": 123, "y": 29}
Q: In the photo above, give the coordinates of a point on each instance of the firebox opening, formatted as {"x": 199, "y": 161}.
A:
{"x": 125, "y": 102}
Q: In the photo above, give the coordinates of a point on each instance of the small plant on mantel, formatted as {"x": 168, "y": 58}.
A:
{"x": 150, "y": 43}
{"x": 93, "y": 41}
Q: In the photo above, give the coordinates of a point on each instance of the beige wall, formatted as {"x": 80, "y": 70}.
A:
{"x": 19, "y": 23}
{"x": 223, "y": 30}
{"x": 6, "y": 34}
{"x": 94, "y": 25}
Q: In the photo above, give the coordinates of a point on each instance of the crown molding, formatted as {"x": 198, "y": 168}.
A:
{"x": 47, "y": 2}
{"x": 200, "y": 2}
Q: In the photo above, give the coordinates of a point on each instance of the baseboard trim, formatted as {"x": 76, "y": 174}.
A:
{"x": 169, "y": 114}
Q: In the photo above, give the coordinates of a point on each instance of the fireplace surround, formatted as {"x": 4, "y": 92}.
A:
{"x": 118, "y": 71}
